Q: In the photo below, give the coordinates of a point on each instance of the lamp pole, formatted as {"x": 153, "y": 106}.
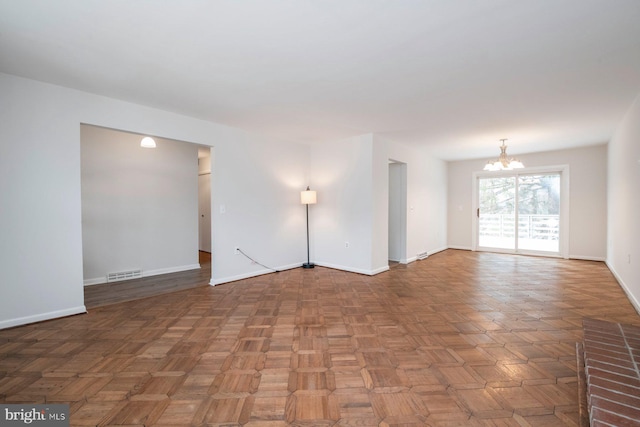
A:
{"x": 308, "y": 264}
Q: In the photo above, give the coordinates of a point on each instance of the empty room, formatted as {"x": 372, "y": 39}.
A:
{"x": 319, "y": 213}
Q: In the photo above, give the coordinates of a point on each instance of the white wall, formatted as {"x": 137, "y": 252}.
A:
{"x": 459, "y": 201}
{"x": 352, "y": 180}
{"x": 41, "y": 243}
{"x": 342, "y": 175}
{"x": 425, "y": 201}
{"x": 380, "y": 213}
{"x": 40, "y": 209}
{"x": 623, "y": 247}
{"x": 256, "y": 207}
{"x": 428, "y": 205}
{"x": 139, "y": 205}
{"x": 588, "y": 198}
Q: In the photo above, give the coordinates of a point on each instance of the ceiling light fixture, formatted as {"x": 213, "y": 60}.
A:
{"x": 502, "y": 162}
{"x": 147, "y": 142}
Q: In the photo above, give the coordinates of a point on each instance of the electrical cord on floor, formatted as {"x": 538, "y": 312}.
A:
{"x": 256, "y": 262}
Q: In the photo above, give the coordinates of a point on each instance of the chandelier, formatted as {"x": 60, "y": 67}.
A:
{"x": 502, "y": 162}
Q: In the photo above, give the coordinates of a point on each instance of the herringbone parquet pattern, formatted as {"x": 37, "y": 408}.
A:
{"x": 461, "y": 338}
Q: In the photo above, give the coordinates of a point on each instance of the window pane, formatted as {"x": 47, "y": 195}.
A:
{"x": 497, "y": 213}
{"x": 539, "y": 212}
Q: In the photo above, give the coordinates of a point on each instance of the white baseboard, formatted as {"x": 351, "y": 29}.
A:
{"x": 9, "y": 323}
{"x": 290, "y": 266}
{"x": 354, "y": 270}
{"x": 462, "y": 248}
{"x": 373, "y": 272}
{"x": 219, "y": 281}
{"x": 379, "y": 270}
{"x": 214, "y": 281}
{"x": 404, "y": 260}
{"x": 95, "y": 281}
{"x": 587, "y": 258}
{"x": 146, "y": 273}
{"x": 466, "y": 248}
{"x": 634, "y": 302}
{"x": 170, "y": 270}
{"x": 444, "y": 248}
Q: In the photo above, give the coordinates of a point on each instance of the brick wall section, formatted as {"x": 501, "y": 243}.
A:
{"x": 611, "y": 359}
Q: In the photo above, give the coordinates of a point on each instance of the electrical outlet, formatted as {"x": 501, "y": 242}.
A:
{"x": 236, "y": 251}
{"x": 346, "y": 244}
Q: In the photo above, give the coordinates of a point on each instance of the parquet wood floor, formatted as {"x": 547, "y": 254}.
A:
{"x": 461, "y": 338}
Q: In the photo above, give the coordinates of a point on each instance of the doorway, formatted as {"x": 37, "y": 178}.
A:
{"x": 139, "y": 206}
{"x": 522, "y": 212}
{"x": 397, "y": 212}
{"x": 204, "y": 200}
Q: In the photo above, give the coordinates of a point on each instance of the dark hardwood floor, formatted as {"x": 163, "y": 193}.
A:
{"x": 129, "y": 290}
{"x": 460, "y": 338}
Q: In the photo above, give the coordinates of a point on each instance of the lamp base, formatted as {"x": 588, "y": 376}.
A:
{"x": 308, "y": 265}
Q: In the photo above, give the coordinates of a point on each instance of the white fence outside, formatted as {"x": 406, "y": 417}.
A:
{"x": 535, "y": 232}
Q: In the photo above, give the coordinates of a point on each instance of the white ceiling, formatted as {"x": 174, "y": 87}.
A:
{"x": 454, "y": 75}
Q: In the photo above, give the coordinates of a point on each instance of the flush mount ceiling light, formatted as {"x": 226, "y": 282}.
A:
{"x": 503, "y": 162}
{"x": 147, "y": 142}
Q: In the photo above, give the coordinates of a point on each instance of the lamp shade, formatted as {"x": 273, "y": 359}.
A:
{"x": 308, "y": 197}
{"x": 147, "y": 142}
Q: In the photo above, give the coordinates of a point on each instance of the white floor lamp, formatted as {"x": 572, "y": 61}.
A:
{"x": 308, "y": 197}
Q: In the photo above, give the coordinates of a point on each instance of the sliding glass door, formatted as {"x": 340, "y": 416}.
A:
{"x": 519, "y": 212}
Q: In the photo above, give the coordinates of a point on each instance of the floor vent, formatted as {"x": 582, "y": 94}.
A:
{"x": 422, "y": 255}
{"x": 123, "y": 275}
